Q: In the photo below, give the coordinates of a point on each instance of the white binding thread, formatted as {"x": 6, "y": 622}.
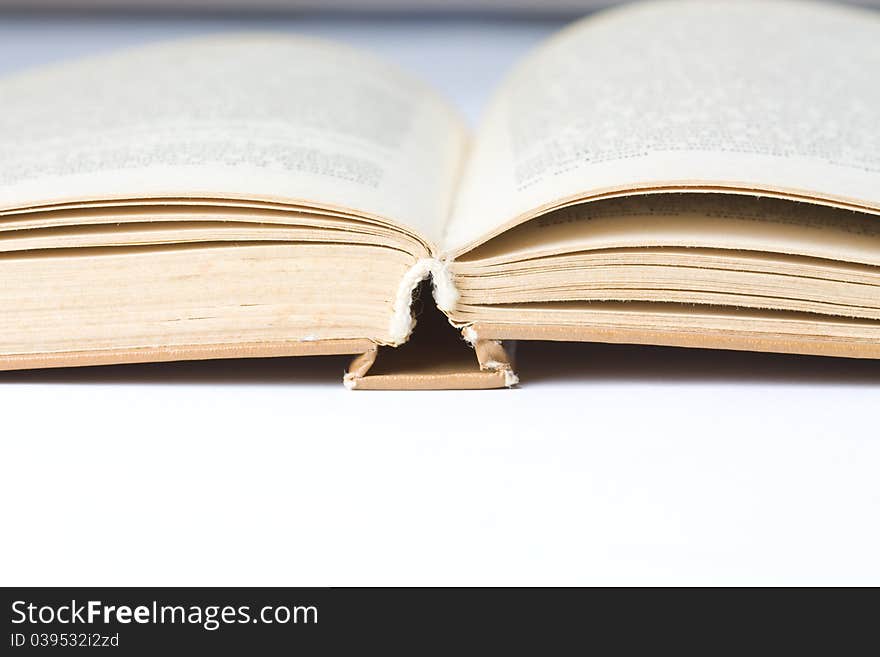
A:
{"x": 445, "y": 295}
{"x": 469, "y": 335}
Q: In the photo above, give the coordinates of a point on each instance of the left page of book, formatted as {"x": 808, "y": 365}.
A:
{"x": 256, "y": 116}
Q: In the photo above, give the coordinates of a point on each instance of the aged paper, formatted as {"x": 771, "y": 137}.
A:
{"x": 761, "y": 96}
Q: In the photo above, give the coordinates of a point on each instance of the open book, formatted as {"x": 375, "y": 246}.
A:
{"x": 673, "y": 173}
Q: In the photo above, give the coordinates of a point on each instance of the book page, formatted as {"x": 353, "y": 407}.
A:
{"x": 724, "y": 222}
{"x": 771, "y": 96}
{"x": 257, "y": 116}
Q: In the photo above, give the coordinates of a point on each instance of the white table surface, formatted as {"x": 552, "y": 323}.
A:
{"x": 610, "y": 465}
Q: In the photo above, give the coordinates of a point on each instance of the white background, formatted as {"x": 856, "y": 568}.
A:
{"x": 610, "y": 465}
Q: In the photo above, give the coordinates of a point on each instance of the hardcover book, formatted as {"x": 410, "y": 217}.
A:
{"x": 672, "y": 173}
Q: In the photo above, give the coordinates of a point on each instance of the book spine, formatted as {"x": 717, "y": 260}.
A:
{"x": 445, "y": 295}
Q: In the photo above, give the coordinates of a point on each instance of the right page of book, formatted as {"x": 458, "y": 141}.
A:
{"x": 772, "y": 96}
